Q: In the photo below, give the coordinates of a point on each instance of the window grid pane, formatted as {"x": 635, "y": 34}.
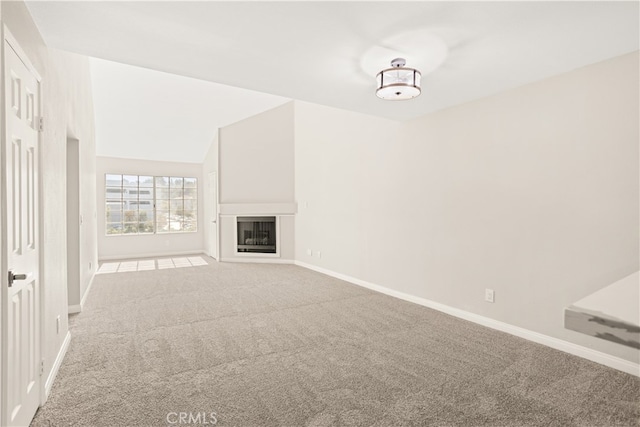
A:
{"x": 142, "y": 204}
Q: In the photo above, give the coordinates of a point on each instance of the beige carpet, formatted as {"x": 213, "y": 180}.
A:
{"x": 278, "y": 345}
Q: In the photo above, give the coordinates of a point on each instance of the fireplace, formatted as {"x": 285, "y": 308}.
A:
{"x": 256, "y": 234}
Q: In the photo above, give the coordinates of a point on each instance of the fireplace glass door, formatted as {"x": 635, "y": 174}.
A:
{"x": 257, "y": 234}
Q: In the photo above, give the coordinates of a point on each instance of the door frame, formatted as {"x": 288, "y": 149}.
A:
{"x": 213, "y": 214}
{"x": 8, "y": 38}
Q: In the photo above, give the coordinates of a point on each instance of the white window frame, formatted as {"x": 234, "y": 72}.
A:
{"x": 153, "y": 201}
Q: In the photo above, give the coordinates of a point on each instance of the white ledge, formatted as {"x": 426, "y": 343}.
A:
{"x": 257, "y": 208}
{"x": 612, "y": 313}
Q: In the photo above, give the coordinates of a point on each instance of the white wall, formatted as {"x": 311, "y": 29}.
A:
{"x": 68, "y": 110}
{"x": 256, "y": 177}
{"x": 256, "y": 158}
{"x": 133, "y": 246}
{"x": 533, "y": 193}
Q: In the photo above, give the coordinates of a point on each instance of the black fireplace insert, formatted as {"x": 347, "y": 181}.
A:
{"x": 257, "y": 234}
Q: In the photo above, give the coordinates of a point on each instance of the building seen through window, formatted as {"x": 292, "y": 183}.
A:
{"x": 141, "y": 204}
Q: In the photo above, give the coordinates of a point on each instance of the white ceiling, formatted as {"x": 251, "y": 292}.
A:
{"x": 329, "y": 52}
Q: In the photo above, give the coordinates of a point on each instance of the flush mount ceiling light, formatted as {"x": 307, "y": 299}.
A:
{"x": 398, "y": 82}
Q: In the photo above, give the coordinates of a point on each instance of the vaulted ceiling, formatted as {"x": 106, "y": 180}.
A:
{"x": 151, "y": 115}
{"x": 329, "y": 52}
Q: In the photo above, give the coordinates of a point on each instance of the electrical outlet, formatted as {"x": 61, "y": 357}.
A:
{"x": 90, "y": 265}
{"x": 58, "y": 325}
{"x": 489, "y": 295}
{"x": 319, "y": 254}
{"x": 309, "y": 252}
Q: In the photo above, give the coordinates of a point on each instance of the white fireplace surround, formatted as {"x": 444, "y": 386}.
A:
{"x": 228, "y": 214}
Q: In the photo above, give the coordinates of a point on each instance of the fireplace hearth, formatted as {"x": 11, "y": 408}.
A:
{"x": 256, "y": 234}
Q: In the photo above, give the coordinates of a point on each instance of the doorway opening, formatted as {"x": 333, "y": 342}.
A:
{"x": 73, "y": 225}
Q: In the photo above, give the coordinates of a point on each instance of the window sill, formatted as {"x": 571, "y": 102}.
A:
{"x": 151, "y": 234}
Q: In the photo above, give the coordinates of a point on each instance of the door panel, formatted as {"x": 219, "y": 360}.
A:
{"x": 21, "y": 330}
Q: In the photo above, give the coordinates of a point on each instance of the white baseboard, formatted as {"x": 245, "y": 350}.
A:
{"x": 56, "y": 365}
{"x": 77, "y": 308}
{"x": 259, "y": 260}
{"x": 151, "y": 255}
{"x": 558, "y": 344}
{"x": 86, "y": 293}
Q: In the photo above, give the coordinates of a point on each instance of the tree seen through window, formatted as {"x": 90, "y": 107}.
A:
{"x": 140, "y": 204}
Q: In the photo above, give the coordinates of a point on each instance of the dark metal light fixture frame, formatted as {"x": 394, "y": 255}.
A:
{"x": 398, "y": 83}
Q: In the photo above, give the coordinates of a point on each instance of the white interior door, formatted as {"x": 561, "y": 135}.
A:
{"x": 213, "y": 219}
{"x": 21, "y": 285}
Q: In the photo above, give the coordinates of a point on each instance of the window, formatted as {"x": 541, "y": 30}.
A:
{"x": 176, "y": 204}
{"x": 141, "y": 204}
